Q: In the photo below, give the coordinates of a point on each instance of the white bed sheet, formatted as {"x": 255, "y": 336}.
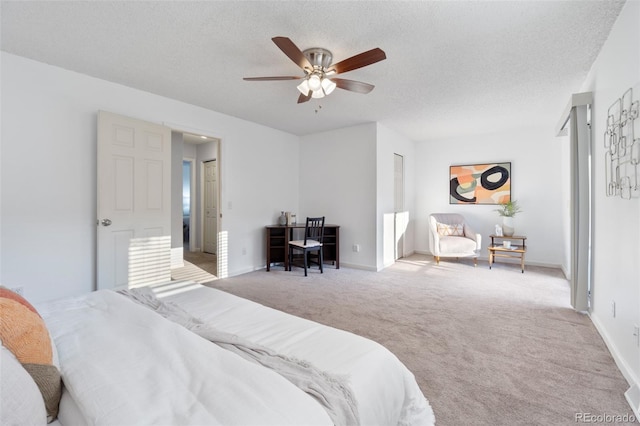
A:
{"x": 385, "y": 390}
{"x": 123, "y": 364}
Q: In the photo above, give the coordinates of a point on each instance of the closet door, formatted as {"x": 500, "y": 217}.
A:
{"x": 210, "y": 207}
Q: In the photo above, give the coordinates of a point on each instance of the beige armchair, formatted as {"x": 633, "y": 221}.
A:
{"x": 451, "y": 236}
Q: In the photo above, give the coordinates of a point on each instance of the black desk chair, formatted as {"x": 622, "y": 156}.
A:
{"x": 313, "y": 234}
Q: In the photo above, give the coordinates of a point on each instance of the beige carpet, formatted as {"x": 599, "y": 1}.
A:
{"x": 487, "y": 347}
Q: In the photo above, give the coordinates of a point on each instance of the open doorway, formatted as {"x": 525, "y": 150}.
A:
{"x": 199, "y": 223}
{"x": 188, "y": 186}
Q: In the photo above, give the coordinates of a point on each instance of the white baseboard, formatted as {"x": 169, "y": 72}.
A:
{"x": 244, "y": 271}
{"x": 177, "y": 257}
{"x": 633, "y": 393}
{"x": 358, "y": 266}
{"x": 507, "y": 260}
{"x": 543, "y": 264}
{"x": 426, "y": 253}
{"x": 633, "y": 398}
{"x": 409, "y": 253}
{"x": 566, "y": 273}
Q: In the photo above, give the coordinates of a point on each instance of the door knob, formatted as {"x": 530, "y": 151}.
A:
{"x": 106, "y": 222}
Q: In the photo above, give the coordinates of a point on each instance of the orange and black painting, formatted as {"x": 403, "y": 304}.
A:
{"x": 480, "y": 183}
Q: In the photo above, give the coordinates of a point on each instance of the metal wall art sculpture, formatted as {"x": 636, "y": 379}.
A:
{"x": 623, "y": 147}
{"x": 480, "y": 183}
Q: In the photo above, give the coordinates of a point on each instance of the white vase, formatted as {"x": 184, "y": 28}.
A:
{"x": 508, "y": 226}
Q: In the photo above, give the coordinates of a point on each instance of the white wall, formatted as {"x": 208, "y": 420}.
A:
{"x": 616, "y": 251}
{"x": 177, "y": 144}
{"x": 536, "y": 170}
{"x": 389, "y": 143}
{"x": 49, "y": 181}
{"x": 338, "y": 180}
{"x": 189, "y": 151}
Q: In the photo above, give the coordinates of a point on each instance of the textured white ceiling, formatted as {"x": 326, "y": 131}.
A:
{"x": 453, "y": 67}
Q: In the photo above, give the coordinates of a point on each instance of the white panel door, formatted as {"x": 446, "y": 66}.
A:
{"x": 210, "y": 207}
{"x": 134, "y": 217}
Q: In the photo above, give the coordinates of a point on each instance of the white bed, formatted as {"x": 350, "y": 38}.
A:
{"x": 386, "y": 390}
{"x": 122, "y": 363}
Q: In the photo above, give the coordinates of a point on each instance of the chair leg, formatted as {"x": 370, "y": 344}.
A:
{"x": 305, "y": 263}
{"x": 437, "y": 260}
{"x": 321, "y": 261}
{"x": 290, "y": 258}
{"x": 475, "y": 262}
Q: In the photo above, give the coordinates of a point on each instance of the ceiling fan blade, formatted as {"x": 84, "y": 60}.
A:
{"x": 304, "y": 98}
{"x": 352, "y": 85}
{"x": 271, "y": 78}
{"x": 292, "y": 51}
{"x": 358, "y": 61}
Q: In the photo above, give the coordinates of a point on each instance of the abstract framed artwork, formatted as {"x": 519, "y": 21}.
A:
{"x": 488, "y": 183}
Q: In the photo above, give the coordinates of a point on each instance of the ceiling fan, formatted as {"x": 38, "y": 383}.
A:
{"x": 318, "y": 80}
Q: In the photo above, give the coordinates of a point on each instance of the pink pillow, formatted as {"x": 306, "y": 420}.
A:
{"x": 25, "y": 334}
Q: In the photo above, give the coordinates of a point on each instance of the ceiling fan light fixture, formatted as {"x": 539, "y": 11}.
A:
{"x": 328, "y": 86}
{"x": 317, "y": 64}
{"x": 315, "y": 82}
{"x": 304, "y": 87}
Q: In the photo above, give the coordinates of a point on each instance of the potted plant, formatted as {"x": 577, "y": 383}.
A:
{"x": 508, "y": 210}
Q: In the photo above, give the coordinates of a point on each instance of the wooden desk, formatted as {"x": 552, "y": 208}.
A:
{"x": 497, "y": 249}
{"x": 278, "y": 237}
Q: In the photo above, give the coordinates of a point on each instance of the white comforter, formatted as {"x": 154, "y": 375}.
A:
{"x": 386, "y": 391}
{"x": 123, "y": 364}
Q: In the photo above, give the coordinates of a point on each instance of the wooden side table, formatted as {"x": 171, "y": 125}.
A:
{"x": 498, "y": 249}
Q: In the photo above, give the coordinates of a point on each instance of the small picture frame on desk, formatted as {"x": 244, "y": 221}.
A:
{"x": 498, "y": 231}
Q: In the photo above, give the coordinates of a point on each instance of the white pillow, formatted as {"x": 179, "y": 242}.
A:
{"x": 456, "y": 230}
{"x": 21, "y": 402}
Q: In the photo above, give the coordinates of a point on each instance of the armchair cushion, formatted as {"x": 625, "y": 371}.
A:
{"x": 454, "y": 245}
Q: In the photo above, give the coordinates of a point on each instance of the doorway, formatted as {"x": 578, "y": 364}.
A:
{"x": 200, "y": 218}
{"x": 188, "y": 203}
